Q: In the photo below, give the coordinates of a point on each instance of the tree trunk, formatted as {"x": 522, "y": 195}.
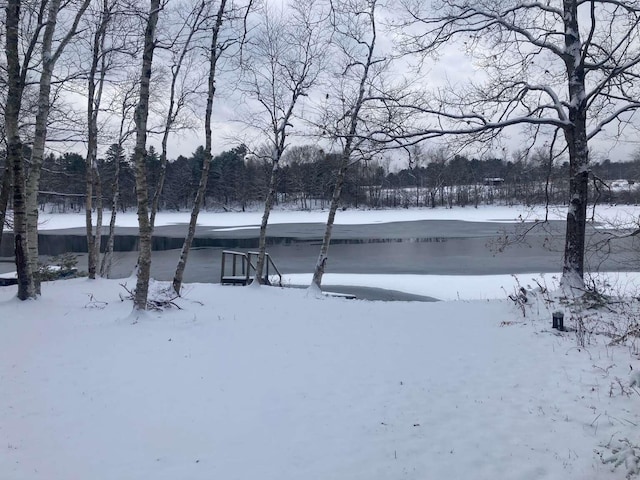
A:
{"x": 15, "y": 89}
{"x": 318, "y": 272}
{"x": 573, "y": 267}
{"x": 186, "y": 246}
{"x": 155, "y": 203}
{"x": 88, "y": 211}
{"x": 39, "y": 140}
{"x": 346, "y": 155}
{"x": 139, "y": 153}
{"x": 26, "y": 285}
{"x": 174, "y": 109}
{"x": 99, "y": 212}
{"x": 4, "y": 195}
{"x": 206, "y": 164}
{"x": 107, "y": 259}
{"x": 93, "y": 239}
{"x": 268, "y": 205}
{"x": 94, "y": 98}
{"x": 49, "y": 58}
{"x": 576, "y": 137}
{"x": 105, "y": 268}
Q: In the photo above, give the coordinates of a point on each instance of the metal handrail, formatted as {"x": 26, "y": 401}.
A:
{"x": 243, "y": 274}
{"x": 268, "y": 261}
{"x": 245, "y": 267}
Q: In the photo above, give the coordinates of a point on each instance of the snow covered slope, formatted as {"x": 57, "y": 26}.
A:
{"x": 274, "y": 384}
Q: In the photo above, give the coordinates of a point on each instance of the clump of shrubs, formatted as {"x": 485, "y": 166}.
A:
{"x": 59, "y": 267}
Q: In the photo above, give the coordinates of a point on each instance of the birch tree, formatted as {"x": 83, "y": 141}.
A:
{"x": 567, "y": 66}
{"x": 110, "y": 43}
{"x": 51, "y": 50}
{"x": 214, "y": 53}
{"x": 179, "y": 91}
{"x": 141, "y": 117}
{"x": 126, "y": 105}
{"x": 22, "y": 43}
{"x": 5, "y": 186}
{"x": 95, "y": 85}
{"x": 16, "y": 75}
{"x": 355, "y": 81}
{"x": 284, "y": 60}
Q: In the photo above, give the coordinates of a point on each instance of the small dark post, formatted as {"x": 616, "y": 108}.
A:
{"x": 222, "y": 268}
{"x": 266, "y": 277}
{"x": 558, "y": 320}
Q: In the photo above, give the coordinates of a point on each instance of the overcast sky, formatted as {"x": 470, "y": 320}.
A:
{"x": 453, "y": 67}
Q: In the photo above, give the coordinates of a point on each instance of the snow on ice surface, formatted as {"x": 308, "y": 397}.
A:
{"x": 230, "y": 220}
{"x": 455, "y": 287}
{"x": 274, "y": 384}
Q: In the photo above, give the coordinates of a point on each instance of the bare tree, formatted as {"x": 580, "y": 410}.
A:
{"x": 6, "y": 186}
{"x": 141, "y": 117}
{"x": 25, "y": 37}
{"x": 102, "y": 58}
{"x": 95, "y": 84}
{"x": 415, "y": 160}
{"x": 51, "y": 52}
{"x": 16, "y": 75}
{"x": 358, "y": 94}
{"x": 306, "y": 165}
{"x": 126, "y": 105}
{"x": 568, "y": 66}
{"x": 215, "y": 51}
{"x": 283, "y": 62}
{"x": 182, "y": 46}
{"x": 112, "y": 86}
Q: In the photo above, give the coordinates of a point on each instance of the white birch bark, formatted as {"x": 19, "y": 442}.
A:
{"x": 49, "y": 59}
{"x": 193, "y": 23}
{"x": 95, "y": 86}
{"x": 107, "y": 259}
{"x": 286, "y": 62}
{"x": 141, "y": 117}
{"x": 15, "y": 89}
{"x": 348, "y": 140}
{"x": 206, "y": 164}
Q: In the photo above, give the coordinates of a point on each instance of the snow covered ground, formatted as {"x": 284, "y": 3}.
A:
{"x": 231, "y": 220}
{"x": 274, "y": 384}
{"x": 245, "y": 383}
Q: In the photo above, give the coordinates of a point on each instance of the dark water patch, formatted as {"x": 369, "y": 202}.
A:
{"x": 58, "y": 243}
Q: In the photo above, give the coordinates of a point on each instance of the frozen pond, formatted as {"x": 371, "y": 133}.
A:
{"x": 441, "y": 247}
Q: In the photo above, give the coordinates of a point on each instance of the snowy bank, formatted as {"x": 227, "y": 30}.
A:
{"x": 273, "y": 384}
{"x": 229, "y": 220}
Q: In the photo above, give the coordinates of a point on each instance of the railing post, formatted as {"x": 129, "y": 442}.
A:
{"x": 248, "y": 274}
{"x": 224, "y": 256}
{"x": 266, "y": 277}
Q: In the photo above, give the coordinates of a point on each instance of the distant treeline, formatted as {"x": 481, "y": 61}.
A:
{"x": 238, "y": 180}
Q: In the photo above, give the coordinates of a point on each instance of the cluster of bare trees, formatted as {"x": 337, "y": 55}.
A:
{"x": 56, "y": 52}
{"x": 352, "y": 74}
